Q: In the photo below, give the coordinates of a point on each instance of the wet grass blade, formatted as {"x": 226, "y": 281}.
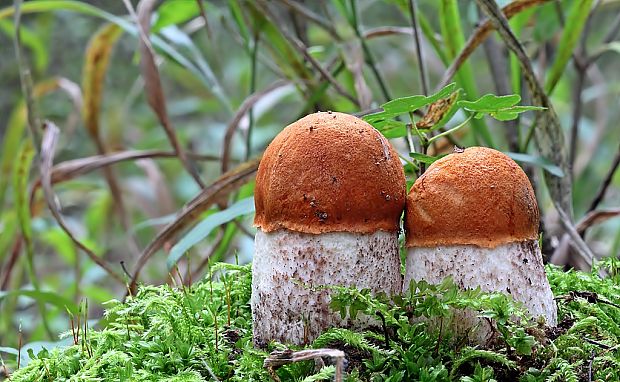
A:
{"x": 575, "y": 23}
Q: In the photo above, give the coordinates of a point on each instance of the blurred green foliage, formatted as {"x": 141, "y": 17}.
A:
{"x": 231, "y": 82}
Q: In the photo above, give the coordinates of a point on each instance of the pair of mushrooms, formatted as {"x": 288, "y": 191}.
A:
{"x": 330, "y": 192}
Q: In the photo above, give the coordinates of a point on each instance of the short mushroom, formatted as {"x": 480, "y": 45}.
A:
{"x": 473, "y": 216}
{"x": 329, "y": 194}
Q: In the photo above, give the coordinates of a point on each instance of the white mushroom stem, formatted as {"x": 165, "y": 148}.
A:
{"x": 287, "y": 262}
{"x": 513, "y": 268}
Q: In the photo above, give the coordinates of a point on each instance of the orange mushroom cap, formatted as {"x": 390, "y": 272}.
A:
{"x": 329, "y": 172}
{"x": 479, "y": 197}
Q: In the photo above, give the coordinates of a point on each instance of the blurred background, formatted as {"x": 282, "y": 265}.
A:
{"x": 157, "y": 142}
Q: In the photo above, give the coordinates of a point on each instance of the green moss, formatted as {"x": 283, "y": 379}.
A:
{"x": 204, "y": 332}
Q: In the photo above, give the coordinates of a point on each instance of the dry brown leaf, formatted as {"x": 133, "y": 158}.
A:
{"x": 436, "y": 111}
{"x": 96, "y": 62}
{"x": 152, "y": 83}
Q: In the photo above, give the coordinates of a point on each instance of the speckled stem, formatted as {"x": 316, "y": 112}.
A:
{"x": 286, "y": 263}
{"x": 514, "y": 268}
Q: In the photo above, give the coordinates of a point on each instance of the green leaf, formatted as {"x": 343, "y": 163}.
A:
{"x": 10, "y": 145}
{"x": 537, "y": 161}
{"x": 409, "y": 104}
{"x": 575, "y": 22}
{"x": 21, "y": 175}
{"x": 425, "y": 158}
{"x": 391, "y": 128}
{"x": 43, "y": 297}
{"x": 501, "y": 108}
{"x": 204, "y": 228}
{"x": 237, "y": 14}
{"x": 175, "y": 12}
{"x": 32, "y": 41}
{"x": 490, "y": 102}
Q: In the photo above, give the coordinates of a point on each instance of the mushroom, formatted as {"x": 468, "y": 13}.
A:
{"x": 329, "y": 194}
{"x": 473, "y": 216}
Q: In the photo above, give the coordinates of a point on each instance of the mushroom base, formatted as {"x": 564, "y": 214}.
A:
{"x": 513, "y": 268}
{"x": 288, "y": 264}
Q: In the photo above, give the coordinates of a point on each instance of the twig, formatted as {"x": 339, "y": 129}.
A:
{"x": 595, "y": 217}
{"x": 50, "y": 138}
{"x": 606, "y": 182}
{"x": 317, "y": 19}
{"x": 498, "y": 64}
{"x": 549, "y": 136}
{"x": 369, "y": 57}
{"x": 253, "y": 57}
{"x": 71, "y": 169}
{"x": 418, "y": 48}
{"x": 597, "y": 343}
{"x": 17, "y": 246}
{"x": 246, "y": 106}
{"x": 281, "y": 358}
{"x": 385, "y": 331}
{"x": 303, "y": 50}
{"x": 25, "y": 78}
{"x": 592, "y": 355}
{"x": 203, "y": 14}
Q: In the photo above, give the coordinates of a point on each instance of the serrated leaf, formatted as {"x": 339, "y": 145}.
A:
{"x": 409, "y": 104}
{"x": 502, "y": 108}
{"x": 490, "y": 102}
{"x": 204, "y": 228}
{"x": 537, "y": 161}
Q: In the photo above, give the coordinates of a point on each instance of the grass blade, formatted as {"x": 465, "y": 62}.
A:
{"x": 452, "y": 32}
{"x": 37, "y": 6}
{"x": 11, "y": 143}
{"x": 221, "y": 188}
{"x": 204, "y": 228}
{"x": 152, "y": 83}
{"x": 575, "y": 22}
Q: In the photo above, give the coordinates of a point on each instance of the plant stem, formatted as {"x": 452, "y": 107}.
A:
{"x": 248, "y": 141}
{"x": 369, "y": 57}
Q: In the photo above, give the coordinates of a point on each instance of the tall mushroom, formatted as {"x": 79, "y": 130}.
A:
{"x": 329, "y": 194}
{"x": 473, "y": 216}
